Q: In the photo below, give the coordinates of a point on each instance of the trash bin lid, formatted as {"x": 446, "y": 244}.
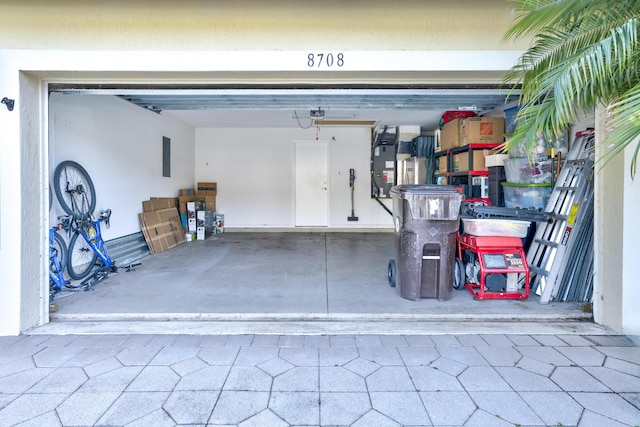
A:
{"x": 423, "y": 189}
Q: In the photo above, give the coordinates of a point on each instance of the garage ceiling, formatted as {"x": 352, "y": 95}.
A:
{"x": 269, "y": 107}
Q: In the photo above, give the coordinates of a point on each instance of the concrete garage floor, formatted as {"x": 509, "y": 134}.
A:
{"x": 292, "y": 282}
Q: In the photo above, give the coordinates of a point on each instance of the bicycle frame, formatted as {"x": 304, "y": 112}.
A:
{"x": 95, "y": 241}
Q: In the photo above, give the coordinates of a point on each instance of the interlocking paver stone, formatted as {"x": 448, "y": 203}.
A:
{"x": 219, "y": 355}
{"x": 448, "y": 408}
{"x": 255, "y": 355}
{"x": 297, "y": 379}
{"x": 362, "y": 367}
{"x": 482, "y": 378}
{"x": 554, "y": 408}
{"x": 622, "y": 366}
{"x": 170, "y": 355}
{"x": 137, "y": 356}
{"x": 115, "y": 380}
{"x": 403, "y": 407}
{"x": 131, "y": 406}
{"x": 609, "y": 405}
{"x": 93, "y": 405}
{"x": 583, "y": 356}
{"x": 375, "y": 418}
{"x": 467, "y": 355}
{"x": 300, "y": 356}
{"x": 482, "y": 418}
{"x": 211, "y": 378}
{"x": 522, "y": 380}
{"x": 335, "y": 379}
{"x": 628, "y": 354}
{"x": 49, "y": 419}
{"x": 545, "y": 354}
{"x": 191, "y": 407}
{"x": 426, "y": 378}
{"x": 296, "y": 408}
{"x": 61, "y": 380}
{"x": 390, "y": 378}
{"x": 535, "y": 366}
{"x": 507, "y": 406}
{"x": 102, "y": 366}
{"x": 358, "y": 380}
{"x": 158, "y": 418}
{"x": 343, "y": 408}
{"x": 23, "y": 381}
{"x": 500, "y": 356}
{"x": 29, "y": 406}
{"x": 189, "y": 366}
{"x": 616, "y": 381}
{"x": 264, "y": 418}
{"x": 576, "y": 379}
{"x": 385, "y": 356}
{"x": 234, "y": 407}
{"x": 54, "y": 357}
{"x": 247, "y": 378}
{"x": 275, "y": 367}
{"x": 418, "y": 355}
{"x": 155, "y": 378}
{"x": 337, "y": 356}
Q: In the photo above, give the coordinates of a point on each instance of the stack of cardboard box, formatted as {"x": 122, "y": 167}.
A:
{"x": 160, "y": 224}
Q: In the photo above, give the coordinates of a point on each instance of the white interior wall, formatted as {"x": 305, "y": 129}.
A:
{"x": 254, "y": 169}
{"x": 120, "y": 146}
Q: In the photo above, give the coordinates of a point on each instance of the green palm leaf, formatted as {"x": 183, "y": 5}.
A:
{"x": 584, "y": 54}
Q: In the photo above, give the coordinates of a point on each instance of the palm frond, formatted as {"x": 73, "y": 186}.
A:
{"x": 585, "y": 53}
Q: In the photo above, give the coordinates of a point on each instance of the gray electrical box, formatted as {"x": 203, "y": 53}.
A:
{"x": 383, "y": 166}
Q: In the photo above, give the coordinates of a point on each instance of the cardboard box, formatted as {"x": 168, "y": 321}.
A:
{"x": 187, "y": 192}
{"x": 450, "y": 135}
{"x": 161, "y": 229}
{"x": 461, "y": 160}
{"x": 442, "y": 164}
{"x": 192, "y": 224}
{"x": 209, "y": 202}
{"x": 207, "y": 188}
{"x": 159, "y": 203}
{"x": 482, "y": 130}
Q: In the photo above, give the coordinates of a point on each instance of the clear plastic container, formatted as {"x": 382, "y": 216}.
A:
{"x": 526, "y": 196}
{"x": 495, "y": 227}
{"x": 522, "y": 171}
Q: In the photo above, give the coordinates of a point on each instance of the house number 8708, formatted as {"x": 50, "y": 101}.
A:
{"x": 325, "y": 60}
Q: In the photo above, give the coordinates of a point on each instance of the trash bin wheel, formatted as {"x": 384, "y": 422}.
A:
{"x": 391, "y": 272}
{"x": 458, "y": 274}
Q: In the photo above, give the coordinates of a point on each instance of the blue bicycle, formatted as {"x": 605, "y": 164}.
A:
{"x": 76, "y": 194}
{"x": 57, "y": 259}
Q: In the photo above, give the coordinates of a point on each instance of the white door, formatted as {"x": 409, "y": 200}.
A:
{"x": 311, "y": 184}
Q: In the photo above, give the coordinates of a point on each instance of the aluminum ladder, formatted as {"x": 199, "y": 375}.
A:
{"x": 555, "y": 241}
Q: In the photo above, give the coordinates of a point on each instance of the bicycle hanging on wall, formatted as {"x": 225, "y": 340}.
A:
{"x": 76, "y": 193}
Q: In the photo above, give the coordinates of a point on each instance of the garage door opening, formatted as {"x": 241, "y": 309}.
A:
{"x": 266, "y": 264}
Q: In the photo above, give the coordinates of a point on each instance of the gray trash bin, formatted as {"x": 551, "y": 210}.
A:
{"x": 426, "y": 221}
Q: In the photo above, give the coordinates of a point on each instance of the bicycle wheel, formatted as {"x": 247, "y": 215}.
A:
{"x": 61, "y": 252}
{"x": 81, "y": 258}
{"x": 74, "y": 189}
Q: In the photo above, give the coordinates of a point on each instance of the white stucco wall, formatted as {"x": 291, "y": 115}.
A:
{"x": 198, "y": 41}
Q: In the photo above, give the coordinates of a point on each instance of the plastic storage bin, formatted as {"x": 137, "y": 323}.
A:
{"x": 521, "y": 171}
{"x": 526, "y": 196}
{"x": 495, "y": 227}
{"x": 426, "y": 220}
